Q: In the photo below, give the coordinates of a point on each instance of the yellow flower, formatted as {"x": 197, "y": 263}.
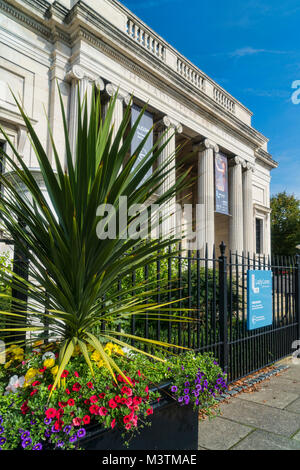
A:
{"x": 19, "y": 358}
{"x": 49, "y": 363}
{"x": 7, "y": 364}
{"x": 96, "y": 356}
{"x": 100, "y": 363}
{"x": 110, "y": 346}
{"x": 31, "y": 373}
{"x": 18, "y": 351}
{"x": 108, "y": 351}
{"x": 90, "y": 348}
{"x": 54, "y": 370}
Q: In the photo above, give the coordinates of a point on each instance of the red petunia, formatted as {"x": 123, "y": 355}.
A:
{"x": 59, "y": 413}
{"x": 34, "y": 391}
{"x": 126, "y": 391}
{"x": 101, "y": 395}
{"x": 76, "y": 421}
{"x": 86, "y": 419}
{"x": 35, "y": 383}
{"x": 94, "y": 409}
{"x": 42, "y": 370}
{"x": 68, "y": 391}
{"x": 93, "y": 399}
{"x": 76, "y": 374}
{"x": 58, "y": 424}
{"x": 50, "y": 413}
{"x": 117, "y": 399}
{"x": 71, "y": 402}
{"x": 90, "y": 385}
{"x": 137, "y": 400}
{"x": 64, "y": 374}
{"x": 112, "y": 403}
{"x": 62, "y": 404}
{"x": 76, "y": 387}
{"x": 113, "y": 423}
{"x": 103, "y": 411}
{"x": 149, "y": 411}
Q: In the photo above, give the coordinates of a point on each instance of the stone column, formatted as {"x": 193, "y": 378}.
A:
{"x": 248, "y": 209}
{"x": 122, "y": 97}
{"x": 236, "y": 226}
{"x": 205, "y": 213}
{"x": 78, "y": 77}
{"x": 167, "y": 129}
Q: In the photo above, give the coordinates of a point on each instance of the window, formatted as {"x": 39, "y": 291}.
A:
{"x": 259, "y": 236}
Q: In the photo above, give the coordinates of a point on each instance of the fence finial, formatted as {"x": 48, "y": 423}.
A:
{"x": 222, "y": 248}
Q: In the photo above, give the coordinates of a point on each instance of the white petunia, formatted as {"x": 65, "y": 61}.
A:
{"x": 48, "y": 355}
{"x": 15, "y": 382}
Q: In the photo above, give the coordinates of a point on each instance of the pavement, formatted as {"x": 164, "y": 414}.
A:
{"x": 265, "y": 419}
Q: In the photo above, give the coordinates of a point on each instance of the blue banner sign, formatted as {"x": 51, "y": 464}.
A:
{"x": 259, "y": 288}
{"x": 143, "y": 128}
{"x": 221, "y": 182}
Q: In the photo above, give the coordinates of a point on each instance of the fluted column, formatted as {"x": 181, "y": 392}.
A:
{"x": 122, "y": 96}
{"x": 78, "y": 77}
{"x": 168, "y": 128}
{"x": 236, "y": 226}
{"x": 205, "y": 215}
{"x": 248, "y": 208}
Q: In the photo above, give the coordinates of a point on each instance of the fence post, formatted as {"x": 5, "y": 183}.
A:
{"x": 297, "y": 295}
{"x": 223, "y": 308}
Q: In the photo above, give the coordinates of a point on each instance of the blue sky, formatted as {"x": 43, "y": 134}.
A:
{"x": 251, "y": 48}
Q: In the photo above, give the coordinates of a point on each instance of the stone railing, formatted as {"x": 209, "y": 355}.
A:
{"x": 223, "y": 99}
{"x": 147, "y": 40}
{"x": 191, "y": 74}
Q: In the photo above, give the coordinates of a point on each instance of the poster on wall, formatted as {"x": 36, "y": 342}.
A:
{"x": 221, "y": 183}
{"x": 142, "y": 130}
{"x": 259, "y": 299}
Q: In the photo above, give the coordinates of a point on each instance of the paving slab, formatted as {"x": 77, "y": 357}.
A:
{"x": 293, "y": 372}
{"x": 221, "y": 434}
{"x": 285, "y": 384}
{"x": 260, "y": 416}
{"x": 262, "y": 440}
{"x": 294, "y": 407}
{"x": 270, "y": 396}
{"x": 297, "y": 436}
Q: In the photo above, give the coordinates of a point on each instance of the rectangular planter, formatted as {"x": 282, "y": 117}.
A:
{"x": 173, "y": 427}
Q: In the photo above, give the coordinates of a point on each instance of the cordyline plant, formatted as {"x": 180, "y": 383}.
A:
{"x": 70, "y": 268}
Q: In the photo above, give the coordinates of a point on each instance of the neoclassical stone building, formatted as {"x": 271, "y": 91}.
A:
{"x": 86, "y": 42}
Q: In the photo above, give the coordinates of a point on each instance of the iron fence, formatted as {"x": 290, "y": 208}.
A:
{"x": 213, "y": 291}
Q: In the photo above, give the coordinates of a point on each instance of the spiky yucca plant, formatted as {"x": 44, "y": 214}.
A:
{"x": 70, "y": 268}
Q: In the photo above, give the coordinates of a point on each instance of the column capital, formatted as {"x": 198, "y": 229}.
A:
{"x": 167, "y": 122}
{"x": 79, "y": 73}
{"x": 206, "y": 144}
{"x": 250, "y": 167}
{"x": 239, "y": 161}
{"x": 123, "y": 95}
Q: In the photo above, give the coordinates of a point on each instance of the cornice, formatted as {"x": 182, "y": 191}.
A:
{"x": 266, "y": 158}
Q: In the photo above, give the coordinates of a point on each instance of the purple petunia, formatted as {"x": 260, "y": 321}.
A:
{"x": 60, "y": 444}
{"x": 1, "y": 419}
{"x": 47, "y": 420}
{"x": 67, "y": 429}
{"x": 2, "y": 440}
{"x": 81, "y": 433}
{"x": 73, "y": 438}
{"x": 25, "y": 435}
{"x": 186, "y": 391}
{"x": 47, "y": 433}
{"x": 53, "y": 430}
{"x": 37, "y": 446}
{"x": 174, "y": 389}
{"x": 27, "y": 442}
{"x": 1, "y": 429}
{"x": 180, "y": 399}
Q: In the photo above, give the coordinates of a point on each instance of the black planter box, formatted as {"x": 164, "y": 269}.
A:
{"x": 173, "y": 427}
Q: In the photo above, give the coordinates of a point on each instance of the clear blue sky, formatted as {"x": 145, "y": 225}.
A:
{"x": 251, "y": 48}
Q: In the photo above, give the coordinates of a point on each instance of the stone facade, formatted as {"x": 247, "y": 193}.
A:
{"x": 100, "y": 41}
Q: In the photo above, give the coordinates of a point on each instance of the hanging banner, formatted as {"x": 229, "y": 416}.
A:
{"x": 259, "y": 299}
{"x": 142, "y": 130}
{"x": 221, "y": 182}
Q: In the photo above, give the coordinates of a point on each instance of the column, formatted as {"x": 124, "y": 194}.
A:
{"x": 248, "y": 208}
{"x": 78, "y": 77}
{"x": 236, "y": 226}
{"x": 122, "y": 96}
{"x": 167, "y": 129}
{"x": 205, "y": 213}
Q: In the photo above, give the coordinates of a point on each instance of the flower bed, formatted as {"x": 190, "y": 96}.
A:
{"x": 83, "y": 408}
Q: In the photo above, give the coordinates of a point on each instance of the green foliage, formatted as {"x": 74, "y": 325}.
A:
{"x": 83, "y": 400}
{"x": 285, "y": 224}
{"x": 71, "y": 270}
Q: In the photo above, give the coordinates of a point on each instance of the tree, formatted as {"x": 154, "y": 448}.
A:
{"x": 285, "y": 224}
{"x": 71, "y": 269}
